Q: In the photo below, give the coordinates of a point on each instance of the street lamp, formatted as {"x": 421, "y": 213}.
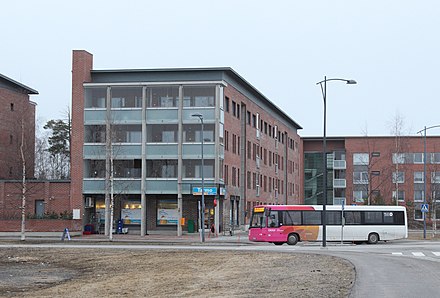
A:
{"x": 424, "y": 175}
{"x": 324, "y": 154}
{"x": 202, "y": 215}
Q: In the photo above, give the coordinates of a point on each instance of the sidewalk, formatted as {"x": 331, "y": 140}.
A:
{"x": 153, "y": 237}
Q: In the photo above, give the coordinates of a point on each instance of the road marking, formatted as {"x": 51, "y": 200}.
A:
{"x": 437, "y": 253}
{"x": 418, "y": 254}
{"x": 398, "y": 253}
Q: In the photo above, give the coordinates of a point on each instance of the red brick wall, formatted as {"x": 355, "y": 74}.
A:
{"x": 41, "y": 225}
{"x": 234, "y": 126}
{"x": 11, "y": 120}
{"x": 56, "y": 197}
{"x": 82, "y": 64}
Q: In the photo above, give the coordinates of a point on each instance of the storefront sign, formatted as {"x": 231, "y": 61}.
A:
{"x": 209, "y": 191}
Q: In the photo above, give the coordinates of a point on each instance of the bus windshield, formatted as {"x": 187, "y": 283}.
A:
{"x": 258, "y": 218}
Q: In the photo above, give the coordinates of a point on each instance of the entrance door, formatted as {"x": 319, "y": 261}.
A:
{"x": 39, "y": 208}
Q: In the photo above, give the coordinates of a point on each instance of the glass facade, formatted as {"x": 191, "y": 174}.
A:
{"x": 167, "y": 118}
{"x": 313, "y": 179}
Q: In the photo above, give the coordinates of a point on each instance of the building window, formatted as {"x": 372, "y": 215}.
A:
{"x": 398, "y": 177}
{"x": 133, "y": 134}
{"x": 254, "y": 120}
{"x": 418, "y": 212}
{"x": 418, "y": 157}
{"x": 196, "y": 96}
{"x": 359, "y": 196}
{"x": 191, "y": 132}
{"x": 435, "y": 177}
{"x": 126, "y": 97}
{"x": 192, "y": 168}
{"x": 418, "y": 177}
{"x": 167, "y": 212}
{"x": 375, "y": 154}
{"x": 361, "y": 159}
{"x": 398, "y": 158}
{"x": 248, "y": 117}
{"x": 418, "y": 195}
{"x": 227, "y": 104}
{"x": 95, "y": 97}
{"x": 167, "y": 168}
{"x": 435, "y": 157}
{"x": 249, "y": 182}
{"x": 436, "y": 196}
{"x": 94, "y": 134}
{"x": 226, "y": 174}
{"x": 401, "y": 197}
{"x": 226, "y": 140}
{"x": 234, "y": 176}
{"x": 360, "y": 178}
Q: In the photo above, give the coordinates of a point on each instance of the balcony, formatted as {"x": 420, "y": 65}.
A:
{"x": 339, "y": 164}
{"x": 339, "y": 183}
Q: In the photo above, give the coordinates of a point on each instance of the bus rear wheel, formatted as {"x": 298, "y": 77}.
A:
{"x": 373, "y": 238}
{"x": 292, "y": 239}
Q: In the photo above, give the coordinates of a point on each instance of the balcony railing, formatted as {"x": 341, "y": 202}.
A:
{"x": 339, "y": 183}
{"x": 339, "y": 164}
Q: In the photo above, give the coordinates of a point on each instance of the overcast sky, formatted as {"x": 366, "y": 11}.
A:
{"x": 390, "y": 47}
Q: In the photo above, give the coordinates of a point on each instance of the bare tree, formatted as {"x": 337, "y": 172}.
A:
{"x": 397, "y": 127}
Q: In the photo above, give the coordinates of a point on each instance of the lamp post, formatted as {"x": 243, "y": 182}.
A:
{"x": 424, "y": 175}
{"x": 202, "y": 215}
{"x": 324, "y": 154}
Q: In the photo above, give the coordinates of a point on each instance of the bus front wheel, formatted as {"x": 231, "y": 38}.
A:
{"x": 373, "y": 238}
{"x": 292, "y": 239}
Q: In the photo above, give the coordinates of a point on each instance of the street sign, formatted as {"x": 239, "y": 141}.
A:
{"x": 209, "y": 191}
{"x": 425, "y": 207}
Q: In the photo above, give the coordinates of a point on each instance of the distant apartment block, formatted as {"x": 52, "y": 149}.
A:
{"x": 374, "y": 170}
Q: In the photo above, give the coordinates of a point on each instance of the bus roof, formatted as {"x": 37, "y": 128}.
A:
{"x": 333, "y": 207}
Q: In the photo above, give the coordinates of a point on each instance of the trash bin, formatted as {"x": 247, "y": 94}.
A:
{"x": 120, "y": 226}
{"x": 190, "y": 226}
{"x": 88, "y": 229}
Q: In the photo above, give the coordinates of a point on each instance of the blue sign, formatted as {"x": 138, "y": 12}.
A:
{"x": 425, "y": 207}
{"x": 209, "y": 191}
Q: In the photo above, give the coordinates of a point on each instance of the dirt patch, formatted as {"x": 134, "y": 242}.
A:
{"x": 102, "y": 273}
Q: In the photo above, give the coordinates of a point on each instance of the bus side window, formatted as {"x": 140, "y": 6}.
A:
{"x": 292, "y": 218}
{"x": 273, "y": 219}
{"x": 352, "y": 217}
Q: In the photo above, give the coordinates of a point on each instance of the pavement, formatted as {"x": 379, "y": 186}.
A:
{"x": 239, "y": 237}
{"x": 154, "y": 237}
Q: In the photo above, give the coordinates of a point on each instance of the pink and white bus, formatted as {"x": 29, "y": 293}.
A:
{"x": 289, "y": 224}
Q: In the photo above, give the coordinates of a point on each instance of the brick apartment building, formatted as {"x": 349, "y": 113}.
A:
{"x": 139, "y": 129}
{"x": 43, "y": 198}
{"x": 375, "y": 170}
{"x": 17, "y": 118}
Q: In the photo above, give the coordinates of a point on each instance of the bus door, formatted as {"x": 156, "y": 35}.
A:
{"x": 258, "y": 224}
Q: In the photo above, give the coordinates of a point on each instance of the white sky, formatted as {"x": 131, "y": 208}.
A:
{"x": 390, "y": 47}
